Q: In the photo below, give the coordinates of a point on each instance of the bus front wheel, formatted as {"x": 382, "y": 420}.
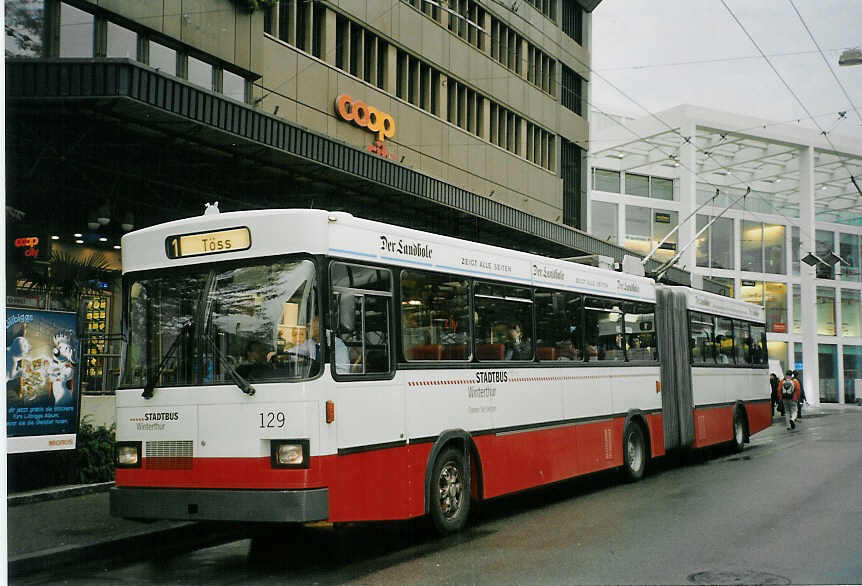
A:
{"x": 450, "y": 491}
{"x": 634, "y": 452}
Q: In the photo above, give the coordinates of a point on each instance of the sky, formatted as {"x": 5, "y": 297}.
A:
{"x": 662, "y": 53}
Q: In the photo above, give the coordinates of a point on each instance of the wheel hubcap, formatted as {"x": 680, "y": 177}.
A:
{"x": 449, "y": 487}
{"x": 739, "y": 431}
{"x": 635, "y": 456}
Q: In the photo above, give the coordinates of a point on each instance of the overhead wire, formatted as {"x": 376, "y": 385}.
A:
{"x": 789, "y": 89}
{"x": 828, "y": 66}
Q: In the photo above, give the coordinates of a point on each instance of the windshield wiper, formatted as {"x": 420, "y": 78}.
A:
{"x": 243, "y": 384}
{"x": 151, "y": 382}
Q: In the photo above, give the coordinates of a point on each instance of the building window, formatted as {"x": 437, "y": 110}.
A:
{"x": 715, "y": 245}
{"x": 728, "y": 283}
{"x": 200, "y": 73}
{"x": 548, "y": 8}
{"x": 76, "y": 32}
{"x": 234, "y": 86}
{"x": 286, "y": 21}
{"x": 751, "y": 246}
{"x": 773, "y": 249}
{"x": 776, "y": 307}
{"x": 827, "y": 362}
{"x": 570, "y": 173}
{"x": 163, "y": 58}
{"x": 849, "y": 251}
{"x": 851, "y": 316}
{"x": 852, "y": 371}
{"x": 797, "y": 309}
{"x": 661, "y": 188}
{"x": 637, "y": 185}
{"x": 573, "y": 20}
{"x": 646, "y": 227}
{"x": 571, "y": 92}
{"x": 795, "y": 245}
{"x": 825, "y": 311}
{"x": 604, "y": 221}
{"x": 465, "y": 20}
{"x": 638, "y": 229}
{"x": 824, "y": 244}
{"x": 604, "y": 180}
{"x": 122, "y": 42}
{"x": 778, "y": 351}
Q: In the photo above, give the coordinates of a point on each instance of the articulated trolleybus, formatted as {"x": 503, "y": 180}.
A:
{"x": 303, "y": 365}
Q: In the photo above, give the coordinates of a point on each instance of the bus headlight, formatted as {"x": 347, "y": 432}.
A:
{"x": 128, "y": 454}
{"x": 289, "y": 453}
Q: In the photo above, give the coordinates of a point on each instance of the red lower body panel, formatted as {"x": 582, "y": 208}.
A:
{"x": 713, "y": 425}
{"x": 389, "y": 483}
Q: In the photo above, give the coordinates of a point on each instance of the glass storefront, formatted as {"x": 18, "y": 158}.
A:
{"x": 778, "y": 351}
{"x": 827, "y": 360}
{"x": 852, "y": 371}
{"x": 771, "y": 296}
{"x": 776, "y": 307}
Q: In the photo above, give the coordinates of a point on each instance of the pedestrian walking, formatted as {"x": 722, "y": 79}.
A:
{"x": 802, "y": 399}
{"x": 775, "y": 396}
{"x": 790, "y": 395}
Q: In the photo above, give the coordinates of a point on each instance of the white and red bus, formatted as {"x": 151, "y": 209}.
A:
{"x": 303, "y": 365}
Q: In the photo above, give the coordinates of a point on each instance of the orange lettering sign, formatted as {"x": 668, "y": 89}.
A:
{"x": 365, "y": 116}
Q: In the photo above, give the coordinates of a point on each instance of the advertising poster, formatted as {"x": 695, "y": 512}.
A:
{"x": 41, "y": 380}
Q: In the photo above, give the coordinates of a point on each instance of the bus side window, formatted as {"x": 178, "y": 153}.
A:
{"x": 640, "y": 334}
{"x": 361, "y": 318}
{"x": 558, "y": 325}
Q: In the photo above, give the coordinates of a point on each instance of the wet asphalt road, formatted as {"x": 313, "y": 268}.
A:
{"x": 786, "y": 510}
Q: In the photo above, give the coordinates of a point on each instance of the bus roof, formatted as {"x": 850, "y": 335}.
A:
{"x": 284, "y": 231}
{"x": 720, "y": 305}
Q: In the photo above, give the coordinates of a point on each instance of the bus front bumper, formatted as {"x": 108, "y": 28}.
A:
{"x": 274, "y": 506}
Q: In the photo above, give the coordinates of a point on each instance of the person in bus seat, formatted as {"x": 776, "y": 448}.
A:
{"x": 517, "y": 347}
{"x": 720, "y": 342}
{"x": 256, "y": 357}
{"x": 311, "y": 347}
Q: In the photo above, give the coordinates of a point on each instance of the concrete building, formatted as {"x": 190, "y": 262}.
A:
{"x": 649, "y": 175}
{"x": 464, "y": 118}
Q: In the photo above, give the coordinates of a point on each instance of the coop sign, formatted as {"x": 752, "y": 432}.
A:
{"x": 29, "y": 245}
{"x": 365, "y": 116}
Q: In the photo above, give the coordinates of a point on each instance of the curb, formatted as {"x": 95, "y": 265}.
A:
{"x": 38, "y": 496}
{"x": 129, "y": 548}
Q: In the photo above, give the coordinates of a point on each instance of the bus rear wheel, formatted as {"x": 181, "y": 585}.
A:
{"x": 738, "y": 431}
{"x": 634, "y": 452}
{"x": 450, "y": 491}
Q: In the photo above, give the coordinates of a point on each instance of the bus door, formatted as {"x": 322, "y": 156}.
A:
{"x": 676, "y": 397}
{"x": 370, "y": 404}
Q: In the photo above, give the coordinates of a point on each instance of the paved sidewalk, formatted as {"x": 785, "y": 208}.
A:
{"x": 72, "y": 524}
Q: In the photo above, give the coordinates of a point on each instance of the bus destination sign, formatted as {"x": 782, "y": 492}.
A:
{"x": 201, "y": 243}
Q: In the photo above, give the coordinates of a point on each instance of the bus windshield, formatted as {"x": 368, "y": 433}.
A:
{"x": 208, "y": 324}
